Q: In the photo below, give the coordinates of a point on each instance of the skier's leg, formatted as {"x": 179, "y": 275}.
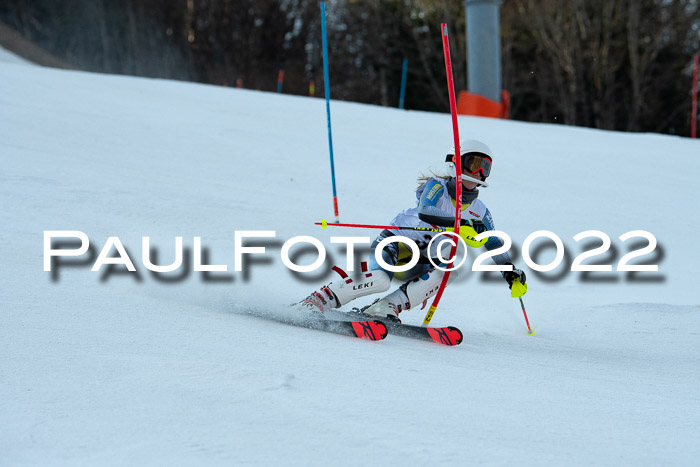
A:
{"x": 390, "y": 253}
{"x": 409, "y": 294}
{"x": 346, "y": 289}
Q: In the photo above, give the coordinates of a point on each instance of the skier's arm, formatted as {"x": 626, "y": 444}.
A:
{"x": 427, "y": 206}
{"x": 504, "y": 258}
{"x": 494, "y": 242}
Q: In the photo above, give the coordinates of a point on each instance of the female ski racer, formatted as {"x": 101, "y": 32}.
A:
{"x": 436, "y": 206}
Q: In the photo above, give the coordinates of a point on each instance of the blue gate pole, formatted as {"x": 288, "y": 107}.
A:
{"x": 326, "y": 86}
{"x": 403, "y": 82}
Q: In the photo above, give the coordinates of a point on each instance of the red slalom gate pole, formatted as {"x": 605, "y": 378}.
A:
{"x": 694, "y": 114}
{"x": 458, "y": 169}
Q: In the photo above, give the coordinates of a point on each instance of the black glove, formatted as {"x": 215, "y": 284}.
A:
{"x": 510, "y": 276}
{"x": 475, "y": 224}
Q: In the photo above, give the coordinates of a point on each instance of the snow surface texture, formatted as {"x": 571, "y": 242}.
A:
{"x": 113, "y": 367}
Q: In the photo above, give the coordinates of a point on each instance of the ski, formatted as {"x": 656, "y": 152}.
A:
{"x": 373, "y": 330}
{"x": 368, "y": 328}
{"x": 448, "y": 335}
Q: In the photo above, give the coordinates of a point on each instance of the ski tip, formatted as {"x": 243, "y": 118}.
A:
{"x": 383, "y": 331}
{"x": 457, "y": 335}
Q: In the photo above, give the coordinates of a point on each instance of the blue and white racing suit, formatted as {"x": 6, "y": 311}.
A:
{"x": 434, "y": 207}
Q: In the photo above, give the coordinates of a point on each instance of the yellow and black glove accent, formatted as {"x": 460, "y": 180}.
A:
{"x": 468, "y": 233}
{"x": 476, "y": 224}
{"x": 516, "y": 281}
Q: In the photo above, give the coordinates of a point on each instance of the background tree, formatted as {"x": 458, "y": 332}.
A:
{"x": 619, "y": 65}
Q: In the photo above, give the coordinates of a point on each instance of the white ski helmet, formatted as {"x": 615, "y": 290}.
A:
{"x": 481, "y": 163}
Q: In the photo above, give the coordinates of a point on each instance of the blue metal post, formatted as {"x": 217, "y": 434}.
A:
{"x": 326, "y": 86}
{"x": 403, "y": 82}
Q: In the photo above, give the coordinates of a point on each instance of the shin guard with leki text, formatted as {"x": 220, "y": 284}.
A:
{"x": 420, "y": 289}
{"x": 347, "y": 289}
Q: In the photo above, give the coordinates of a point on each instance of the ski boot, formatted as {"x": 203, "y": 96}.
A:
{"x": 345, "y": 290}
{"x": 318, "y": 302}
{"x": 408, "y": 295}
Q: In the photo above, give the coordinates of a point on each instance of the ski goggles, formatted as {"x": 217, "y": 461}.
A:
{"x": 473, "y": 163}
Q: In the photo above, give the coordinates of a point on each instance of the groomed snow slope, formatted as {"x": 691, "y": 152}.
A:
{"x": 113, "y": 367}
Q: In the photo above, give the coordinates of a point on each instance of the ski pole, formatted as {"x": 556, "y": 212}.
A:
{"x": 529, "y": 329}
{"x": 325, "y": 224}
{"x": 467, "y": 238}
